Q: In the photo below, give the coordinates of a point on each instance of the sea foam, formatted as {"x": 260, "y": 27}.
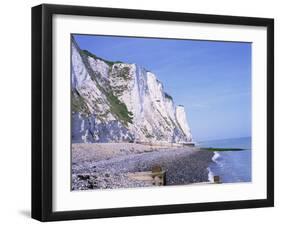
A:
{"x": 210, "y": 175}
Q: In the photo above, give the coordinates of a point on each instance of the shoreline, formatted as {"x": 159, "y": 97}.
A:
{"x": 108, "y": 165}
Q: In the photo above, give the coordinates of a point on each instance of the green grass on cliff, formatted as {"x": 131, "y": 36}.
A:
{"x": 125, "y": 73}
{"x": 222, "y": 149}
{"x": 110, "y": 63}
{"x": 168, "y": 96}
{"x": 78, "y": 104}
{"x": 119, "y": 108}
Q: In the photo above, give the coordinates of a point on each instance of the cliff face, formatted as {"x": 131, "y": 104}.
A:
{"x": 119, "y": 102}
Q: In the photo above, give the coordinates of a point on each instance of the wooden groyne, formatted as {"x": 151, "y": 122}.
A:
{"x": 215, "y": 180}
{"x": 156, "y": 176}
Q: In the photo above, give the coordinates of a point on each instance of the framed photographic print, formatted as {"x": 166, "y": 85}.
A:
{"x": 145, "y": 112}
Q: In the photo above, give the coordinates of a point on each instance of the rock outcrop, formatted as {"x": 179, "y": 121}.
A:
{"x": 120, "y": 102}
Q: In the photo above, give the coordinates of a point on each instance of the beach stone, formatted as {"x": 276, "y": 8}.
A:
{"x": 182, "y": 166}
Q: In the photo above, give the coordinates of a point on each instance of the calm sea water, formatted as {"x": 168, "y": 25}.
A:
{"x": 231, "y": 166}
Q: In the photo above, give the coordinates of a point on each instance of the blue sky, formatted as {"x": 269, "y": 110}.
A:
{"x": 211, "y": 79}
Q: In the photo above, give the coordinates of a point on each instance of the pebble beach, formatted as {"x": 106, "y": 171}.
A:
{"x": 109, "y": 165}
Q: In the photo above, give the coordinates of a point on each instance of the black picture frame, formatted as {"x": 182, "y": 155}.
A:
{"x": 42, "y": 111}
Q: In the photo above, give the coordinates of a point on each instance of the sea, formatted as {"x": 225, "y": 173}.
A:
{"x": 230, "y": 166}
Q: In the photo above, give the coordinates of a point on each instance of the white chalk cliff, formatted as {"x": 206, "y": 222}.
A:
{"x": 120, "y": 102}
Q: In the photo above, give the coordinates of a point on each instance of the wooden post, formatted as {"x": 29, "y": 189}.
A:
{"x": 216, "y": 179}
{"x": 156, "y": 169}
{"x": 158, "y": 176}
